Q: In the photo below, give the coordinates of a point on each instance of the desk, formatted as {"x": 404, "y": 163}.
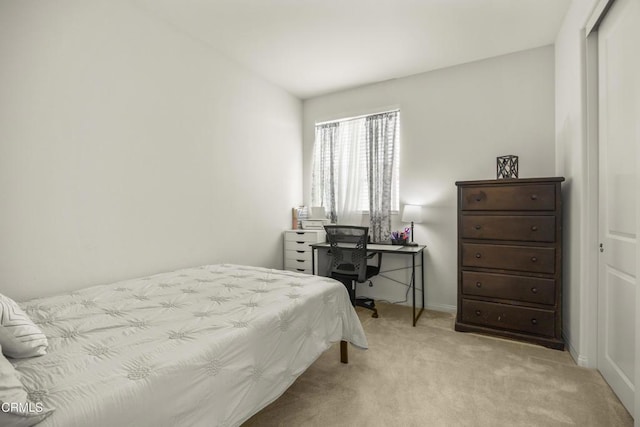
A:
{"x": 390, "y": 249}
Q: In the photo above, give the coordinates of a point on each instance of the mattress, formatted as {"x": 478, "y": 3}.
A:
{"x": 207, "y": 346}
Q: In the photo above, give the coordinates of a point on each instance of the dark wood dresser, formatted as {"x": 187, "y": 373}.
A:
{"x": 510, "y": 259}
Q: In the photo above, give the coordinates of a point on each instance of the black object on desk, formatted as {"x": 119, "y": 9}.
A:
{"x": 389, "y": 249}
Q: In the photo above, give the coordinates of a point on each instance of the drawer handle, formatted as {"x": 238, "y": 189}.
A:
{"x": 534, "y": 228}
{"x": 300, "y": 252}
{"x": 478, "y": 255}
{"x": 299, "y": 243}
{"x": 478, "y": 285}
{"x": 534, "y": 259}
{"x": 534, "y": 290}
{"x": 534, "y": 197}
{"x": 478, "y": 312}
{"x": 534, "y": 321}
{"x": 478, "y": 197}
{"x": 300, "y": 269}
{"x": 477, "y": 227}
{"x": 300, "y": 232}
{"x": 300, "y": 260}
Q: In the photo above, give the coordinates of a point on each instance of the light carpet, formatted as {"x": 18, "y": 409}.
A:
{"x": 431, "y": 375}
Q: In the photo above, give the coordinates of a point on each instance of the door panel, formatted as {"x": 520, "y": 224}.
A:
{"x": 620, "y": 350}
{"x": 618, "y": 140}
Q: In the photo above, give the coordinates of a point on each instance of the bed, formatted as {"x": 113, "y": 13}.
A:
{"x": 207, "y": 346}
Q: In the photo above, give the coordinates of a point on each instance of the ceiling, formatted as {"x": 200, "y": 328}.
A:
{"x": 314, "y": 47}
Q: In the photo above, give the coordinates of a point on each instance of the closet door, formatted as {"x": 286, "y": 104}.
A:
{"x": 619, "y": 139}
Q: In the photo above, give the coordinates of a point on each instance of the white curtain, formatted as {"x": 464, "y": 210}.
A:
{"x": 339, "y": 178}
{"x": 352, "y": 179}
{"x": 324, "y": 170}
{"x": 382, "y": 132}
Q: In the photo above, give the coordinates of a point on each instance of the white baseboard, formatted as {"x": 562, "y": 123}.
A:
{"x": 442, "y": 307}
{"x": 580, "y": 359}
{"x": 446, "y": 308}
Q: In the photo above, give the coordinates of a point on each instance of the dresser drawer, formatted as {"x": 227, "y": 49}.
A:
{"x": 304, "y": 264}
{"x": 509, "y": 287}
{"x": 308, "y": 236}
{"x": 509, "y": 227}
{"x": 290, "y": 245}
{"x": 503, "y": 316}
{"x": 300, "y": 270}
{"x": 304, "y": 255}
{"x": 507, "y": 257}
{"x": 538, "y": 197}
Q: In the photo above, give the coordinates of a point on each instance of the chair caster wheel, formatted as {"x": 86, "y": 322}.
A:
{"x": 375, "y": 315}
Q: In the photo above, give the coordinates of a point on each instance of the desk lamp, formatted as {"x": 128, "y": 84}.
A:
{"x": 412, "y": 214}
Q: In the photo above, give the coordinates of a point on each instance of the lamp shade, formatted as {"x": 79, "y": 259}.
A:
{"x": 412, "y": 213}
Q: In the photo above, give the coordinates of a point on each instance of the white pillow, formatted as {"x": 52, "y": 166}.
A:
{"x": 19, "y": 336}
{"x": 15, "y": 409}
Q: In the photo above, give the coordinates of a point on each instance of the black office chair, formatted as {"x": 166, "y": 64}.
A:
{"x": 349, "y": 260}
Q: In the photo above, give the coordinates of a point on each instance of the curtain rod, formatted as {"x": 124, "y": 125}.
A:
{"x": 348, "y": 119}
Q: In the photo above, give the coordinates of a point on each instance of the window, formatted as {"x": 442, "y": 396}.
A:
{"x": 356, "y": 164}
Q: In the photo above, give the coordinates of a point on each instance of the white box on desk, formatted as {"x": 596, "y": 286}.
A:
{"x": 314, "y": 224}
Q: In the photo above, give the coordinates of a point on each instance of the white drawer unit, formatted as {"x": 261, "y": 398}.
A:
{"x": 297, "y": 252}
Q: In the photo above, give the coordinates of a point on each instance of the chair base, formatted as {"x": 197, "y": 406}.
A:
{"x": 368, "y": 303}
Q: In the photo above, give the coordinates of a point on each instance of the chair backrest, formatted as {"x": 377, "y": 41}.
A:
{"x": 348, "y": 250}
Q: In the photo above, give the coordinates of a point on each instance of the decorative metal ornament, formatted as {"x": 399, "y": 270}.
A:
{"x": 507, "y": 166}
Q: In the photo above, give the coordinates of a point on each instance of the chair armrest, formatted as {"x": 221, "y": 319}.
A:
{"x": 372, "y": 254}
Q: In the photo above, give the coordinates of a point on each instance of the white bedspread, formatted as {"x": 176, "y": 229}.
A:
{"x": 208, "y": 346}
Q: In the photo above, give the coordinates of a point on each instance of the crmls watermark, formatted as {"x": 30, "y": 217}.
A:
{"x": 22, "y": 407}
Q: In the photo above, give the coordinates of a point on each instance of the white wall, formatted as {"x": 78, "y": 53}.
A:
{"x": 128, "y": 148}
{"x": 454, "y": 123}
{"x": 573, "y": 162}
